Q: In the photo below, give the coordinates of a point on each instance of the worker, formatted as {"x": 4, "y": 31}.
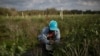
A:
{"x": 50, "y": 35}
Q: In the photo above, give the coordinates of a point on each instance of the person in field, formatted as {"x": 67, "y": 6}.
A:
{"x": 50, "y": 35}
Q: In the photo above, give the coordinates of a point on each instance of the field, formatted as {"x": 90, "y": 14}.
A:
{"x": 80, "y": 35}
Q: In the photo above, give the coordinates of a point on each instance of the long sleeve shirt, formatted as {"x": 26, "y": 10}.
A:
{"x": 43, "y": 36}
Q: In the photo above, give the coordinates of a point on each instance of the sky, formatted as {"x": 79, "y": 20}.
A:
{"x": 58, "y": 4}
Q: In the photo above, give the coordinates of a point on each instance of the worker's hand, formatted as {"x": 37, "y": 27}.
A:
{"x": 49, "y": 35}
{"x": 52, "y": 41}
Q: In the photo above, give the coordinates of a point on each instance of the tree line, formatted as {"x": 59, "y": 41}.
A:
{"x": 48, "y": 11}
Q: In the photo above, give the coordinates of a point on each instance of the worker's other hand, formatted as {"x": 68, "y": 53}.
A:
{"x": 51, "y": 41}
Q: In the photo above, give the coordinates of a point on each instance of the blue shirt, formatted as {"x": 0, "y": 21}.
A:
{"x": 43, "y": 36}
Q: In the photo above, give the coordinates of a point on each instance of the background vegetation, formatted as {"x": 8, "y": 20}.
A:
{"x": 48, "y": 11}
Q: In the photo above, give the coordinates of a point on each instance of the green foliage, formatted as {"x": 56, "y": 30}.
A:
{"x": 80, "y": 35}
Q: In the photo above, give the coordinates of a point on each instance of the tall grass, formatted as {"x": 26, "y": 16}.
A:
{"x": 80, "y": 35}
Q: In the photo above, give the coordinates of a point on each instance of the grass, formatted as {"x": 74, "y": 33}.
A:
{"x": 80, "y": 35}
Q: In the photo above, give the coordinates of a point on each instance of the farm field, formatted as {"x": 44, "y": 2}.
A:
{"x": 80, "y": 35}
